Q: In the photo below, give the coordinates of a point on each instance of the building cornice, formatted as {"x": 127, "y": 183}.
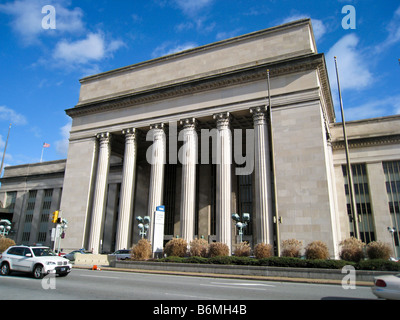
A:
{"x": 367, "y": 142}
{"x": 211, "y": 82}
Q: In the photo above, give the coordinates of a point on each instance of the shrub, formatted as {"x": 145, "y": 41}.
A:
{"x": 196, "y": 259}
{"x": 352, "y": 249}
{"x": 291, "y": 248}
{"x": 243, "y": 249}
{"x": 198, "y": 248}
{"x": 263, "y": 250}
{"x": 317, "y": 250}
{"x": 378, "y": 264}
{"x": 379, "y": 250}
{"x": 218, "y": 249}
{"x": 141, "y": 251}
{"x": 176, "y": 247}
{"x": 5, "y": 243}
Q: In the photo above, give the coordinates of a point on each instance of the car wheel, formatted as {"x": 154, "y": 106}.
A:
{"x": 5, "y": 269}
{"x": 38, "y": 272}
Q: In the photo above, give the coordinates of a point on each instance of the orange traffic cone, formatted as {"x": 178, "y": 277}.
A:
{"x": 95, "y": 268}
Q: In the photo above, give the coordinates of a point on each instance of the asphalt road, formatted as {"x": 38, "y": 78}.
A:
{"x": 113, "y": 285}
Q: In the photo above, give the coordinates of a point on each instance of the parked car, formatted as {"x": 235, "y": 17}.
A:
{"x": 39, "y": 261}
{"x": 387, "y": 287}
{"x": 121, "y": 254}
{"x": 71, "y": 256}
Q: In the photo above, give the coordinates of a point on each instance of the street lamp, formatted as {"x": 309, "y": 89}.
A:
{"x": 241, "y": 223}
{"x": 144, "y": 224}
{"x": 392, "y": 230}
{"x": 5, "y": 227}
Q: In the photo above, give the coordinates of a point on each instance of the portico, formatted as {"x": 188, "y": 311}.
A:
{"x": 191, "y": 131}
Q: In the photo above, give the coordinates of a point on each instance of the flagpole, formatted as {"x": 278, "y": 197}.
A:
{"x": 5, "y": 148}
{"x": 272, "y": 151}
{"x": 353, "y": 202}
{"x": 41, "y": 157}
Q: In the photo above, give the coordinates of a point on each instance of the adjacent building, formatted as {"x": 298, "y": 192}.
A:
{"x": 194, "y": 132}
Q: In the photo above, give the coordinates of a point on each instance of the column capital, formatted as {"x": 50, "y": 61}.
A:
{"x": 259, "y": 115}
{"x": 104, "y": 138}
{"x": 103, "y": 135}
{"x": 258, "y": 109}
{"x": 157, "y": 126}
{"x": 222, "y": 119}
{"x": 188, "y": 123}
{"x": 130, "y": 134}
{"x": 129, "y": 131}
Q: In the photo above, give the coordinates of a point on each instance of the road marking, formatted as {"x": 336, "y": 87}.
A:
{"x": 244, "y": 284}
{"x": 17, "y": 278}
{"x": 92, "y": 276}
{"x": 189, "y": 296}
{"x": 230, "y": 287}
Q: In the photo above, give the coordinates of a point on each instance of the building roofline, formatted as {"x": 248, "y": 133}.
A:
{"x": 199, "y": 49}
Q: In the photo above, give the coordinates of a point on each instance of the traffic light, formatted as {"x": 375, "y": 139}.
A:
{"x": 55, "y": 216}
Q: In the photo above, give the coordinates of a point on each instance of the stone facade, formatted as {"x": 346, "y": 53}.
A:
{"x": 193, "y": 131}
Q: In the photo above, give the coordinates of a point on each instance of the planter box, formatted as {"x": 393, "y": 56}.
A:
{"x": 271, "y": 272}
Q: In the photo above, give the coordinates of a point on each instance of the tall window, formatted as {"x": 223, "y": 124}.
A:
{"x": 10, "y": 200}
{"x": 45, "y": 216}
{"x": 392, "y": 176}
{"x": 364, "y": 209}
{"x": 169, "y": 198}
{"x": 245, "y": 199}
{"x": 26, "y": 233}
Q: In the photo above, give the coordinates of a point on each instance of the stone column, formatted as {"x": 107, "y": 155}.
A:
{"x": 188, "y": 158}
{"x": 223, "y": 183}
{"x": 124, "y": 229}
{"x": 157, "y": 159}
{"x": 96, "y": 228}
{"x": 262, "y": 170}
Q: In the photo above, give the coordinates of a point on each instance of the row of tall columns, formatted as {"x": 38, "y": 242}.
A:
{"x": 262, "y": 171}
{"x": 188, "y": 198}
{"x": 100, "y": 189}
{"x": 224, "y": 183}
{"x": 157, "y": 158}
{"x": 125, "y": 216}
{"x": 156, "y": 155}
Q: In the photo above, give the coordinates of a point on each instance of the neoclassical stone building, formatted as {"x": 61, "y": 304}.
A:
{"x": 193, "y": 131}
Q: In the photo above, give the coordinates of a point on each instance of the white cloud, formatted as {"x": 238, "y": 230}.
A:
{"x": 27, "y": 19}
{"x": 393, "y": 28}
{"x": 169, "y": 47}
{"x": 318, "y": 26}
{"x": 353, "y": 65}
{"x": 62, "y": 145}
{"x": 374, "y": 108}
{"x": 193, "y": 7}
{"x": 12, "y": 116}
{"x": 92, "y": 49}
{"x": 229, "y": 34}
{"x": 81, "y": 51}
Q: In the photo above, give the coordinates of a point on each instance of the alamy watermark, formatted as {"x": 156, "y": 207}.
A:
{"x": 217, "y": 147}
{"x": 349, "y": 21}
{"x": 49, "y": 20}
{"x": 349, "y": 280}
{"x": 49, "y": 282}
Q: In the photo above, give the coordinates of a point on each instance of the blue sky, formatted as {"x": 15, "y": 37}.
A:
{"x": 40, "y": 68}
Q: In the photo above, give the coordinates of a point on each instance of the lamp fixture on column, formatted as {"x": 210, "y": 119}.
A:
{"x": 144, "y": 224}
{"x": 241, "y": 223}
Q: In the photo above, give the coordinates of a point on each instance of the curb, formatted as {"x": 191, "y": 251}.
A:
{"x": 226, "y": 276}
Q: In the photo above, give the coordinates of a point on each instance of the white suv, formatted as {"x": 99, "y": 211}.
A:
{"x": 37, "y": 260}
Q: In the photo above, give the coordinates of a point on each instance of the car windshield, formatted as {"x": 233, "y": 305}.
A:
{"x": 43, "y": 252}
